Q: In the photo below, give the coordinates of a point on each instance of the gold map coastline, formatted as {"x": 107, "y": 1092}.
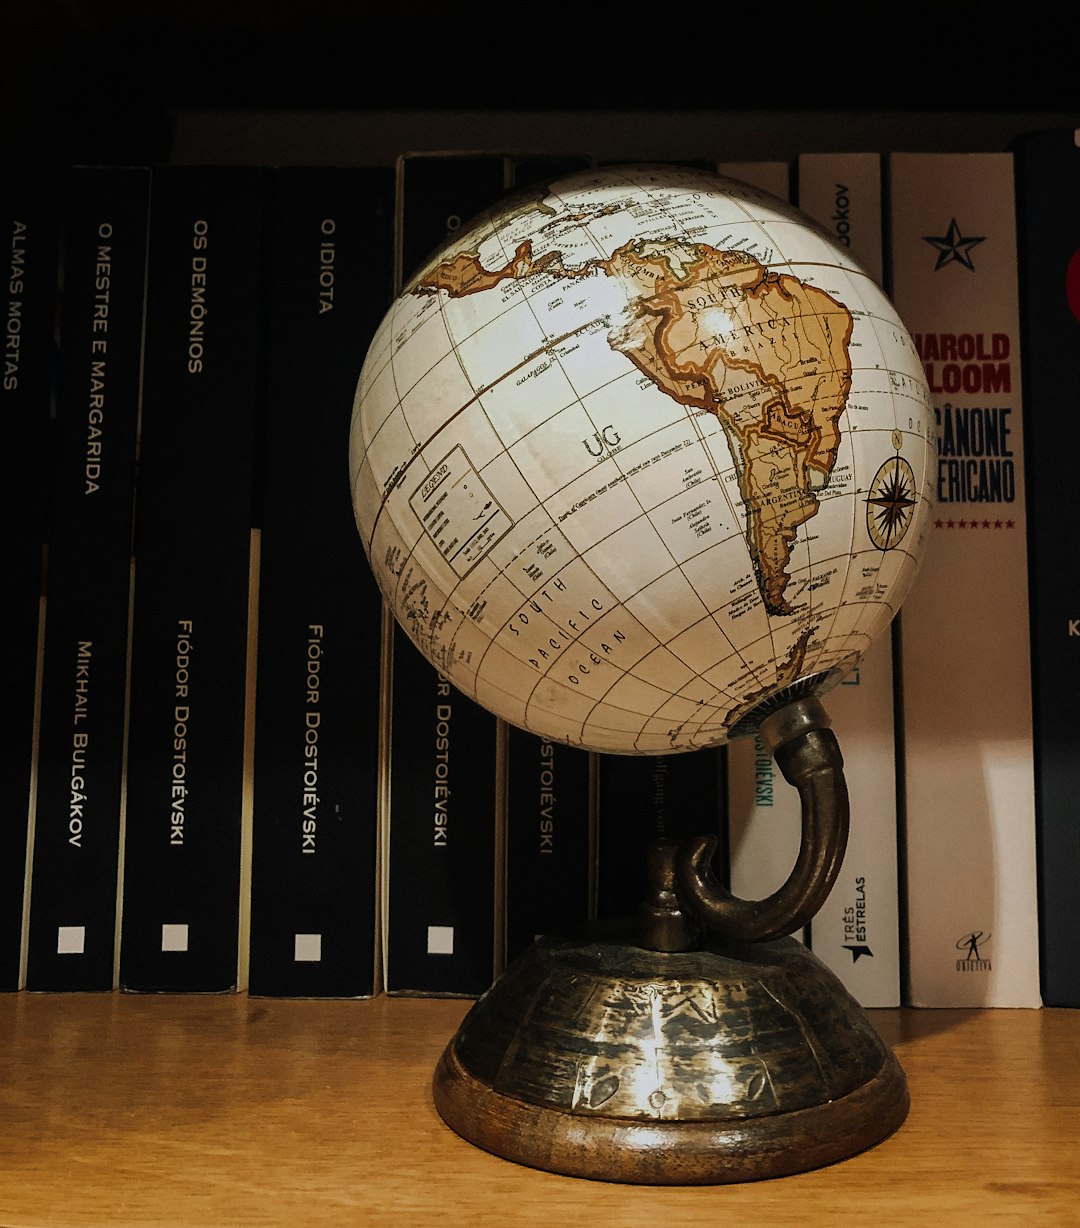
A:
{"x": 703, "y": 318}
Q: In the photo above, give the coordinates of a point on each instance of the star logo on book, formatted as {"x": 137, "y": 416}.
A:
{"x": 856, "y": 951}
{"x": 953, "y": 245}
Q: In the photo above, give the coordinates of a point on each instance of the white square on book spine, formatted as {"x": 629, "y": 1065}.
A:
{"x": 440, "y": 940}
{"x": 307, "y": 948}
{"x": 70, "y": 939}
{"x": 174, "y": 937}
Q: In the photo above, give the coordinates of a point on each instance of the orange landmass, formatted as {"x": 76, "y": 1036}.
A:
{"x": 700, "y": 317}
{"x": 703, "y": 314}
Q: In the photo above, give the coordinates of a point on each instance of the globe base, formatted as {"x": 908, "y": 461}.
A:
{"x": 593, "y": 1058}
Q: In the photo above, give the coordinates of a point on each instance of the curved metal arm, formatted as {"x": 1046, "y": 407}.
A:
{"x": 808, "y": 754}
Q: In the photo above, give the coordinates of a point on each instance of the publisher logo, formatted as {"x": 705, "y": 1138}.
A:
{"x": 974, "y": 958}
{"x": 954, "y": 247}
{"x": 856, "y": 938}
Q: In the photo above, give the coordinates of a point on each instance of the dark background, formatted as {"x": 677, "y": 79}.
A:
{"x": 103, "y": 81}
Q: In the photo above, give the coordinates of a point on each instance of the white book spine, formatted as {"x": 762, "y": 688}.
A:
{"x": 971, "y": 901}
{"x": 842, "y": 192}
{"x": 764, "y": 822}
{"x": 856, "y": 932}
{"x": 764, "y": 811}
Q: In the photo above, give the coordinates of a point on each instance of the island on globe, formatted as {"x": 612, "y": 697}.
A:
{"x": 639, "y": 455}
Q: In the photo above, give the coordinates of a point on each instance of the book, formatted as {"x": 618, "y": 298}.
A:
{"x": 71, "y": 940}
{"x": 764, "y": 812}
{"x": 550, "y": 838}
{"x": 29, "y": 217}
{"x": 550, "y": 811}
{"x": 437, "y": 193}
{"x": 188, "y": 745}
{"x": 764, "y": 822}
{"x": 645, "y": 798}
{"x": 842, "y": 191}
{"x": 856, "y": 932}
{"x": 1048, "y": 224}
{"x": 314, "y": 897}
{"x": 443, "y": 840}
{"x": 441, "y": 894}
{"x": 968, "y": 785}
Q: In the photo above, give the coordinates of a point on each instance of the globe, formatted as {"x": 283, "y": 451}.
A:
{"x": 640, "y": 455}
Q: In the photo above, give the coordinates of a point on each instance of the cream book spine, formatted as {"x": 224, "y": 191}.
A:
{"x": 856, "y": 932}
{"x": 972, "y": 921}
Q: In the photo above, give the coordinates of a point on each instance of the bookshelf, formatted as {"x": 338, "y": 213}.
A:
{"x": 108, "y": 80}
{"x": 226, "y": 1109}
{"x": 236, "y": 1111}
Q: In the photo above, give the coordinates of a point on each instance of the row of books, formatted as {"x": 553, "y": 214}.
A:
{"x": 241, "y": 773}
{"x": 206, "y": 353}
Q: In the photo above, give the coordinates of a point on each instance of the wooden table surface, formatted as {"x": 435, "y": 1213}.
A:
{"x": 219, "y": 1111}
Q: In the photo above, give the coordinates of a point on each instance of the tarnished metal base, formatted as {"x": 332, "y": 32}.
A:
{"x": 594, "y": 1058}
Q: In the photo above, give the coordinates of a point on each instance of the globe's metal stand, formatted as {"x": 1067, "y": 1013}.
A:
{"x": 701, "y": 1045}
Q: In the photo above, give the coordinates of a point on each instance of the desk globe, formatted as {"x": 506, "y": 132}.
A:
{"x": 641, "y": 460}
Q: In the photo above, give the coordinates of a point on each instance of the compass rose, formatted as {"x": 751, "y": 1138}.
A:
{"x": 890, "y": 503}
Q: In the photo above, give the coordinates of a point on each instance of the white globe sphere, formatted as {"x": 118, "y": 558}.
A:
{"x": 639, "y": 456}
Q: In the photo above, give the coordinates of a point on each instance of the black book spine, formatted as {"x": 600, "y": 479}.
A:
{"x": 30, "y": 226}
{"x": 1048, "y": 235}
{"x": 550, "y": 812}
{"x": 437, "y": 195}
{"x": 549, "y": 838}
{"x": 314, "y": 825}
{"x": 72, "y": 930}
{"x": 443, "y": 852}
{"x": 187, "y": 745}
{"x": 644, "y": 798}
{"x": 442, "y": 839}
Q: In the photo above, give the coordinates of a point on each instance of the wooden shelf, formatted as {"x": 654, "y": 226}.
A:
{"x": 206, "y": 1111}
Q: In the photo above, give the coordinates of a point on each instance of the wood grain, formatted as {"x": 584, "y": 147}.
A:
{"x": 203, "y": 1110}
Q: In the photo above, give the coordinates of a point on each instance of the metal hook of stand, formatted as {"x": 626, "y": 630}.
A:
{"x": 684, "y": 889}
